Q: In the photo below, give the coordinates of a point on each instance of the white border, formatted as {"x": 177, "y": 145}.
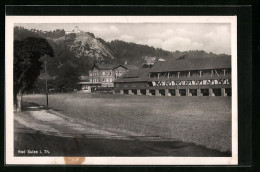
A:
{"x": 10, "y": 159}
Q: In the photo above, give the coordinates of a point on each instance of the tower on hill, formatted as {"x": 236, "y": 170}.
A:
{"x": 75, "y": 30}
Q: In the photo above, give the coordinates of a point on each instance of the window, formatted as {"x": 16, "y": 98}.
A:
{"x": 103, "y": 79}
{"x": 104, "y": 73}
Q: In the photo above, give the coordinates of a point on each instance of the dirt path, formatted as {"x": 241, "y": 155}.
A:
{"x": 47, "y": 132}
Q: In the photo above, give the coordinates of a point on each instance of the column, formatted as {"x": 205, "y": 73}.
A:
{"x": 167, "y": 92}
{"x": 157, "y": 92}
{"x": 113, "y": 91}
{"x": 130, "y": 92}
{"x": 199, "y": 92}
{"x": 147, "y": 92}
{"x": 211, "y": 92}
{"x": 121, "y": 91}
{"x": 223, "y": 93}
{"x": 177, "y": 93}
{"x": 187, "y": 92}
{"x": 138, "y": 92}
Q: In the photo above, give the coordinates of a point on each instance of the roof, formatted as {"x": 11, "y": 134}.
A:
{"x": 135, "y": 75}
{"x": 104, "y": 66}
{"x": 192, "y": 64}
{"x": 113, "y": 66}
{"x": 130, "y": 67}
{"x": 203, "y": 77}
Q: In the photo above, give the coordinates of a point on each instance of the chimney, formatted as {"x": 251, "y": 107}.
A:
{"x": 125, "y": 62}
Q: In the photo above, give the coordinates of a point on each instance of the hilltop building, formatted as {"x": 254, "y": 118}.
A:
{"x": 185, "y": 77}
{"x": 75, "y": 30}
{"x": 149, "y": 61}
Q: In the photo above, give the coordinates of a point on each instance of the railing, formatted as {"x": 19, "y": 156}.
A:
{"x": 104, "y": 90}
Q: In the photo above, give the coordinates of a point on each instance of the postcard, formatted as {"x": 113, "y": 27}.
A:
{"x": 121, "y": 90}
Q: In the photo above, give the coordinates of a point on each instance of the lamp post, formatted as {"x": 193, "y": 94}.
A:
{"x": 46, "y": 83}
{"x": 46, "y": 77}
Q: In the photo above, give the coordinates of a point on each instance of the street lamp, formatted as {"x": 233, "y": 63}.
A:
{"x": 46, "y": 77}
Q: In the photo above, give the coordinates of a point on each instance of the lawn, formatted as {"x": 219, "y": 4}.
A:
{"x": 201, "y": 120}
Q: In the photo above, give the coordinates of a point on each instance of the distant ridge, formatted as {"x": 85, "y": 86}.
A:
{"x": 89, "y": 49}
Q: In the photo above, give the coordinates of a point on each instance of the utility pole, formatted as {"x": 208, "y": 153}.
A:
{"x": 46, "y": 84}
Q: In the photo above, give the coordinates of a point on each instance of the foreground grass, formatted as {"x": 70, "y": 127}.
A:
{"x": 200, "y": 120}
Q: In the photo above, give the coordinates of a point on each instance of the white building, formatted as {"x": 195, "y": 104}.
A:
{"x": 75, "y": 30}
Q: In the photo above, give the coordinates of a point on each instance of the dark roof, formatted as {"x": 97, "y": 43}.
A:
{"x": 228, "y": 76}
{"x": 192, "y": 64}
{"x": 130, "y": 67}
{"x": 135, "y": 75}
{"x": 113, "y": 66}
{"x": 104, "y": 66}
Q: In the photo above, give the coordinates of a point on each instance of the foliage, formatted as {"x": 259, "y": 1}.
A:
{"x": 22, "y": 33}
{"x": 27, "y": 64}
{"x": 134, "y": 53}
{"x": 64, "y": 60}
{"x": 67, "y": 78}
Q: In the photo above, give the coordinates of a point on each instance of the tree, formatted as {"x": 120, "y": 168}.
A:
{"x": 27, "y": 64}
{"x": 67, "y": 78}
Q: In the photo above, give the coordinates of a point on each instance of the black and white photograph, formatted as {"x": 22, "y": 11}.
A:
{"x": 121, "y": 90}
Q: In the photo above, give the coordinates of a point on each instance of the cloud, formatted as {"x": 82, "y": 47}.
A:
{"x": 103, "y": 31}
{"x": 113, "y": 28}
{"x": 218, "y": 40}
{"x": 156, "y": 42}
{"x": 140, "y": 42}
{"x": 196, "y": 37}
{"x": 127, "y": 38}
{"x": 176, "y": 43}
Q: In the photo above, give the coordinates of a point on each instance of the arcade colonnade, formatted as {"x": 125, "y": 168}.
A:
{"x": 178, "y": 92}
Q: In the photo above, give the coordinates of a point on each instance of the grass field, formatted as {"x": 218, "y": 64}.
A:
{"x": 201, "y": 120}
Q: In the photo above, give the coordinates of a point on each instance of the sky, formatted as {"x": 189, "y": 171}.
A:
{"x": 210, "y": 37}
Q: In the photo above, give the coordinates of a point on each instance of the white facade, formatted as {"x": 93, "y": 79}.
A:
{"x": 75, "y": 30}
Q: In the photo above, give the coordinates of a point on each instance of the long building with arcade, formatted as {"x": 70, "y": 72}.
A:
{"x": 179, "y": 77}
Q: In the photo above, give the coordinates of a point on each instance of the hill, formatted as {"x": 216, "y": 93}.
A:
{"x": 77, "y": 52}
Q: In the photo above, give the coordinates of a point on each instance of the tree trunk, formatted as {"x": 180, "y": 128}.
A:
{"x": 19, "y": 101}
